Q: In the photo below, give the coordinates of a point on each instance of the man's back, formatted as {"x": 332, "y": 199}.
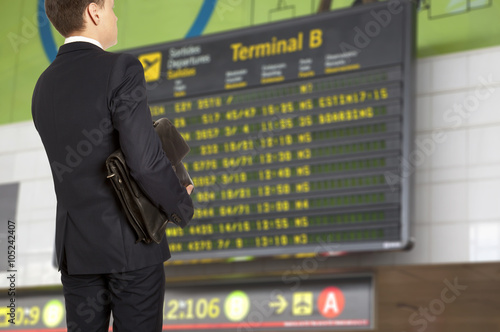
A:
{"x": 78, "y": 104}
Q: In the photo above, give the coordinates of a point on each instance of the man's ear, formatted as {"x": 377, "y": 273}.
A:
{"x": 92, "y": 12}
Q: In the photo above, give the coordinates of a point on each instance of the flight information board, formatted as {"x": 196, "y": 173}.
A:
{"x": 297, "y": 131}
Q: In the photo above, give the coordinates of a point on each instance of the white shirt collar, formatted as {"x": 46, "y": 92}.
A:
{"x": 73, "y": 39}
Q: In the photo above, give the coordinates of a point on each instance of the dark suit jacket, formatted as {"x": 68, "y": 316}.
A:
{"x": 87, "y": 104}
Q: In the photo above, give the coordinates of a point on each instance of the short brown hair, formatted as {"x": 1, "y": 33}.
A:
{"x": 67, "y": 15}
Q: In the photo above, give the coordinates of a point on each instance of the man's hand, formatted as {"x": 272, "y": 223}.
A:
{"x": 190, "y": 189}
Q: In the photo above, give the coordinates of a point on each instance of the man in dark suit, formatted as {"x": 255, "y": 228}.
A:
{"x": 87, "y": 104}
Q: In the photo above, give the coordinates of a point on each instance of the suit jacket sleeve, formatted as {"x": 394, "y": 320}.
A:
{"x": 139, "y": 142}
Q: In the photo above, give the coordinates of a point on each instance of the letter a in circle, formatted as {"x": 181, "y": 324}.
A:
{"x": 331, "y": 302}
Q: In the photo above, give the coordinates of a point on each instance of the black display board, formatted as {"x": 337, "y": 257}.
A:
{"x": 327, "y": 304}
{"x": 298, "y": 131}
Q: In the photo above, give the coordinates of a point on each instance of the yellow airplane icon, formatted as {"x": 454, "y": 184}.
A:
{"x": 152, "y": 65}
{"x": 302, "y": 304}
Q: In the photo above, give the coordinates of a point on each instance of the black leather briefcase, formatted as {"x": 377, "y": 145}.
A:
{"x": 148, "y": 221}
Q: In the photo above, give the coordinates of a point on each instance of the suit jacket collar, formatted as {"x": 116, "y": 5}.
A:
{"x": 77, "y": 46}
